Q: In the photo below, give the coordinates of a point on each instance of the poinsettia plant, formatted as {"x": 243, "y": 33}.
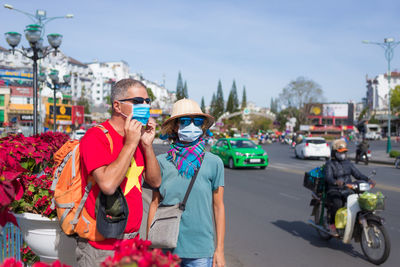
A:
{"x": 26, "y": 166}
{"x": 137, "y": 253}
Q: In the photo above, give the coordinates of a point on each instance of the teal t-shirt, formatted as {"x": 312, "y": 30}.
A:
{"x": 196, "y": 231}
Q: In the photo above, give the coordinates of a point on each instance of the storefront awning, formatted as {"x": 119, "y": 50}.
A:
{"x": 20, "y": 108}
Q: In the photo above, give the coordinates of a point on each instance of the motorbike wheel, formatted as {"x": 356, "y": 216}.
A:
{"x": 231, "y": 164}
{"x": 379, "y": 250}
{"x": 325, "y": 224}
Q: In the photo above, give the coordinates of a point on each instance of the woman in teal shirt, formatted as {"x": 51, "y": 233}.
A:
{"x": 198, "y": 244}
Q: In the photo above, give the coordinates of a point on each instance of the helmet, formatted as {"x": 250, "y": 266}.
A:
{"x": 339, "y": 145}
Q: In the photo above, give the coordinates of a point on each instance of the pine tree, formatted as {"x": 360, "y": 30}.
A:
{"x": 244, "y": 98}
{"x": 235, "y": 100}
{"x": 185, "y": 91}
{"x": 203, "y": 105}
{"x": 179, "y": 87}
{"x": 212, "y": 106}
{"x": 219, "y": 101}
{"x": 229, "y": 103}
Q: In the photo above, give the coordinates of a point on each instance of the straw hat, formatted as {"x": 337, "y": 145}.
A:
{"x": 182, "y": 108}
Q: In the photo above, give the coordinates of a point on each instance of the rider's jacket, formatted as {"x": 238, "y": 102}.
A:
{"x": 363, "y": 146}
{"x": 335, "y": 170}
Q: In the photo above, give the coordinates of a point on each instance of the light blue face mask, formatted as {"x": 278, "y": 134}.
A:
{"x": 140, "y": 112}
{"x": 189, "y": 133}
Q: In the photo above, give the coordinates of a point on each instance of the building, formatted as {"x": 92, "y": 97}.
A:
{"x": 377, "y": 92}
{"x": 329, "y": 118}
{"x": 105, "y": 74}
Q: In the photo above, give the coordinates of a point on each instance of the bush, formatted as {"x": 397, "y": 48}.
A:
{"x": 394, "y": 153}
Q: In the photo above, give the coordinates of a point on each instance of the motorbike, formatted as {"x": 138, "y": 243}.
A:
{"x": 364, "y": 226}
{"x": 365, "y": 157}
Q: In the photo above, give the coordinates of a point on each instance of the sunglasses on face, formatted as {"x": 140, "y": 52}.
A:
{"x": 136, "y": 100}
{"x": 197, "y": 121}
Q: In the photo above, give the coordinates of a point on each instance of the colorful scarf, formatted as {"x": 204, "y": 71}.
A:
{"x": 187, "y": 158}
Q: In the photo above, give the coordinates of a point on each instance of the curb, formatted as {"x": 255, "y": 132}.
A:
{"x": 377, "y": 161}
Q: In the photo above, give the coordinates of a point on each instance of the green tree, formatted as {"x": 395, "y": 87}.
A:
{"x": 219, "y": 101}
{"x": 83, "y": 101}
{"x": 151, "y": 95}
{"x": 395, "y": 99}
{"x": 203, "y": 105}
{"x": 244, "y": 98}
{"x": 179, "y": 88}
{"x": 285, "y": 114}
{"x": 274, "y": 105}
{"x": 260, "y": 123}
{"x": 232, "y": 105}
{"x": 212, "y": 105}
{"x": 185, "y": 91}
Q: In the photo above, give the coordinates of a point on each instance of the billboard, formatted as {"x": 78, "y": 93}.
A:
{"x": 335, "y": 110}
{"x": 313, "y": 109}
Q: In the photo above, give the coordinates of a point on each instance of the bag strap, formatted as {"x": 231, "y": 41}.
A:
{"x": 182, "y": 205}
{"x": 105, "y": 131}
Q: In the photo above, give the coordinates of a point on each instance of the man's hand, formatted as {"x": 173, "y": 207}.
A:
{"x": 132, "y": 131}
{"x": 218, "y": 259}
{"x": 149, "y": 133}
{"x": 339, "y": 182}
{"x": 372, "y": 182}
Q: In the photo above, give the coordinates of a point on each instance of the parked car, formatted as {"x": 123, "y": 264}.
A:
{"x": 312, "y": 147}
{"x": 240, "y": 152}
{"x": 373, "y": 135}
{"x": 78, "y": 134}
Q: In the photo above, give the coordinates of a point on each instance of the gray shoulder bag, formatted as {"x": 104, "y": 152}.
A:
{"x": 164, "y": 229}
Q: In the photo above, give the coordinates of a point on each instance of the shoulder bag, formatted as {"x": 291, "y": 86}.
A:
{"x": 164, "y": 228}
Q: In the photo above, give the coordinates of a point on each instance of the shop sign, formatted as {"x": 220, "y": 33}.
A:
{"x": 26, "y": 117}
{"x": 15, "y": 74}
{"x": 78, "y": 114}
{"x": 21, "y": 91}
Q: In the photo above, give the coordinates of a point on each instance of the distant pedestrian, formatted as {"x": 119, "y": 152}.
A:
{"x": 198, "y": 244}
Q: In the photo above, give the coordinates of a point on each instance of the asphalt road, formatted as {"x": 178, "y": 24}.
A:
{"x": 267, "y": 211}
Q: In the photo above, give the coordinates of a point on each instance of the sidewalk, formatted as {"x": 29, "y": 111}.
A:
{"x": 378, "y": 156}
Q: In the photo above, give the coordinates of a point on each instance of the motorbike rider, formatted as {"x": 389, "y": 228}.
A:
{"x": 362, "y": 149}
{"x": 338, "y": 172}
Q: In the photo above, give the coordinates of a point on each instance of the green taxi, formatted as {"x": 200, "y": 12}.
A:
{"x": 240, "y": 152}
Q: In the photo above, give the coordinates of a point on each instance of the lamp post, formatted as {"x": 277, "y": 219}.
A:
{"x": 40, "y": 17}
{"x": 57, "y": 85}
{"x": 388, "y": 45}
{"x": 35, "y": 52}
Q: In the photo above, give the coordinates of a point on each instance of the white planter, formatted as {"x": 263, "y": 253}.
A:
{"x": 46, "y": 239}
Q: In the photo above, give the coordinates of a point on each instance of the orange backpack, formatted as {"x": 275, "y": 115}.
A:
{"x": 69, "y": 198}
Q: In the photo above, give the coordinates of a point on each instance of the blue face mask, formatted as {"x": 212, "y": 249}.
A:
{"x": 140, "y": 112}
{"x": 189, "y": 133}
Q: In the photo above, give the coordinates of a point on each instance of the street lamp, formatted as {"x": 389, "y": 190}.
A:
{"x": 388, "y": 45}
{"x": 54, "y": 86}
{"x": 35, "y": 52}
{"x": 40, "y": 18}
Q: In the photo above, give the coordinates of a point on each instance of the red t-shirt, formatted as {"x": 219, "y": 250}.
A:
{"x": 95, "y": 153}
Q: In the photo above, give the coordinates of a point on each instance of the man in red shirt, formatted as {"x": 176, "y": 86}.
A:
{"x": 130, "y": 158}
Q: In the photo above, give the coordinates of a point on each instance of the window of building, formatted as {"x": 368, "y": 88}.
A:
{"x": 327, "y": 121}
{"x": 98, "y": 98}
{"x": 340, "y": 121}
{"x": 65, "y": 101}
{"x": 1, "y": 115}
{"x": 315, "y": 121}
{"x": 1, "y": 100}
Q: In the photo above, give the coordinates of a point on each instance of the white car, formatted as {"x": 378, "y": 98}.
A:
{"x": 312, "y": 147}
{"x": 78, "y": 134}
{"x": 373, "y": 136}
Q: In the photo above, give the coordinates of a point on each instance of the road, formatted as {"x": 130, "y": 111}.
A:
{"x": 267, "y": 212}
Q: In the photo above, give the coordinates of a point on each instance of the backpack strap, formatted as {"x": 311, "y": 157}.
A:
{"x": 105, "y": 131}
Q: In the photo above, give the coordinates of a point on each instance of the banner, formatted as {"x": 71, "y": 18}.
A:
{"x": 335, "y": 110}
{"x": 21, "y": 91}
{"x": 78, "y": 114}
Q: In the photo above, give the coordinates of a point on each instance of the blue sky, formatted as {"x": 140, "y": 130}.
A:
{"x": 263, "y": 45}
